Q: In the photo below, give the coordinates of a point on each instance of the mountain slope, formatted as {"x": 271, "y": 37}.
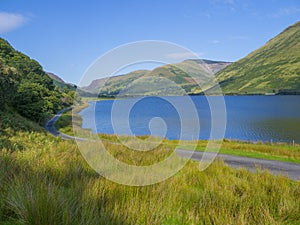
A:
{"x": 163, "y": 80}
{"x": 113, "y": 85}
{"x": 68, "y": 87}
{"x": 55, "y": 77}
{"x": 273, "y": 68}
{"x": 26, "y": 89}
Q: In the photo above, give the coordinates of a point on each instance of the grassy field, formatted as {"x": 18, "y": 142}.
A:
{"x": 47, "y": 181}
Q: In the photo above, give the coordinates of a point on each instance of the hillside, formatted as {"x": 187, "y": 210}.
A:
{"x": 60, "y": 83}
{"x": 163, "y": 80}
{"x": 111, "y": 86}
{"x": 26, "y": 89}
{"x": 273, "y": 68}
{"x": 63, "y": 86}
{"x": 55, "y": 77}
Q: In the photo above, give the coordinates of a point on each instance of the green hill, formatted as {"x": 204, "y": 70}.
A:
{"x": 26, "y": 89}
{"x": 169, "y": 79}
{"x": 273, "y": 68}
{"x": 112, "y": 86}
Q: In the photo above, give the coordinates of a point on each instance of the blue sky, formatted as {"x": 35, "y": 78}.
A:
{"x": 67, "y": 36}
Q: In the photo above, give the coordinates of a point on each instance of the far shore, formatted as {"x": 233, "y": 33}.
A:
{"x": 95, "y": 98}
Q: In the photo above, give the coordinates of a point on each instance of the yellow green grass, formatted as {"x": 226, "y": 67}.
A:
{"x": 49, "y": 182}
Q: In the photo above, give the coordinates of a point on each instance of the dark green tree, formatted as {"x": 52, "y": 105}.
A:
{"x": 31, "y": 101}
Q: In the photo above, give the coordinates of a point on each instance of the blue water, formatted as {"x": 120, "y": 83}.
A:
{"x": 251, "y": 118}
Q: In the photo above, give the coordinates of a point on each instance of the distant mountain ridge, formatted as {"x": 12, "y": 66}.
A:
{"x": 186, "y": 75}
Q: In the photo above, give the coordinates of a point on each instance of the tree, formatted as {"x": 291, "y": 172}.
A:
{"x": 30, "y": 101}
{"x": 8, "y": 84}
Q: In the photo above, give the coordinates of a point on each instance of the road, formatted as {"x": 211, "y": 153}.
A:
{"x": 52, "y": 129}
{"x": 292, "y": 170}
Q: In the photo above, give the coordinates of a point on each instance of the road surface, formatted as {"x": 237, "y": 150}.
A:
{"x": 52, "y": 130}
{"x": 292, "y": 170}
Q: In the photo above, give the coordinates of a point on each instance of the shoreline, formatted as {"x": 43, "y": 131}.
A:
{"x": 289, "y": 168}
{"x": 191, "y": 94}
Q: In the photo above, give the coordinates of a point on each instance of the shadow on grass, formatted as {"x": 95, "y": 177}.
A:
{"x": 43, "y": 196}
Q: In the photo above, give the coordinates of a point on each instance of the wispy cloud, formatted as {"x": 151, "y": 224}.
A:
{"x": 10, "y": 21}
{"x": 286, "y": 12}
{"x": 183, "y": 55}
{"x": 215, "y": 42}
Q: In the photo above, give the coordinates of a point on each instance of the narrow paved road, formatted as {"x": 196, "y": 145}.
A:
{"x": 51, "y": 128}
{"x": 292, "y": 170}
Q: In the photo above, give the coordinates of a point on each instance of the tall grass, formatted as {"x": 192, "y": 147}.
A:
{"x": 48, "y": 182}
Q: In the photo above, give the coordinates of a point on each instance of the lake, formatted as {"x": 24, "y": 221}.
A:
{"x": 249, "y": 118}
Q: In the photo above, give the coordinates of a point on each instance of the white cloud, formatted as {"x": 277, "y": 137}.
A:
{"x": 10, "y": 21}
{"x": 183, "y": 55}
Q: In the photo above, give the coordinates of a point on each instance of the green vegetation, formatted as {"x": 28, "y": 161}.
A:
{"x": 108, "y": 87}
{"x": 27, "y": 89}
{"x": 64, "y": 123}
{"x": 12, "y": 123}
{"x": 48, "y": 182}
{"x": 271, "y": 151}
{"x": 169, "y": 79}
{"x": 273, "y": 68}
{"x": 68, "y": 88}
